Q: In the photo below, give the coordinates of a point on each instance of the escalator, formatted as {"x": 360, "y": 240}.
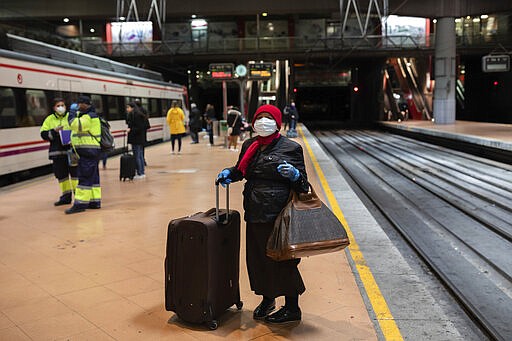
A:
{"x": 460, "y": 94}
{"x": 410, "y": 96}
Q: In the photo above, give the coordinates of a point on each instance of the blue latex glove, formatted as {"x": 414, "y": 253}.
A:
{"x": 73, "y": 108}
{"x": 288, "y": 171}
{"x": 223, "y": 177}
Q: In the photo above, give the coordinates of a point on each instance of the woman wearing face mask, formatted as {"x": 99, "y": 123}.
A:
{"x": 273, "y": 165}
{"x": 50, "y": 131}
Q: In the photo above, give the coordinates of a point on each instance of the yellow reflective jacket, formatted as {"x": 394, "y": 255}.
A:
{"x": 49, "y": 133}
{"x": 86, "y": 134}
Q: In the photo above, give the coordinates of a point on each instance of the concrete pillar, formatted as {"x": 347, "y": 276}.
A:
{"x": 445, "y": 69}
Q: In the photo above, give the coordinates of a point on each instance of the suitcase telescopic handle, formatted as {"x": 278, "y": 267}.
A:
{"x": 217, "y": 201}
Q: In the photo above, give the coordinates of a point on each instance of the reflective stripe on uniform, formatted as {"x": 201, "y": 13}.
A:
{"x": 57, "y": 153}
{"x": 83, "y": 194}
{"x": 96, "y": 193}
{"x": 65, "y": 185}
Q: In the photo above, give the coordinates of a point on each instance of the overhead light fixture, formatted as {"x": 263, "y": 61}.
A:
{"x": 476, "y": 19}
{"x": 193, "y": 16}
{"x": 65, "y": 19}
{"x": 122, "y": 18}
{"x": 434, "y": 21}
{"x": 484, "y": 16}
{"x": 92, "y": 30}
{"x": 264, "y": 14}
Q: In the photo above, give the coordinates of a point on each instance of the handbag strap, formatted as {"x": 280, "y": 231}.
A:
{"x": 306, "y": 201}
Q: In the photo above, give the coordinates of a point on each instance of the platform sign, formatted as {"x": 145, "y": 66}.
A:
{"x": 260, "y": 70}
{"x": 222, "y": 70}
{"x": 496, "y": 63}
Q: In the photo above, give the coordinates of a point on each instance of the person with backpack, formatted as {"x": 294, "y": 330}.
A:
{"x": 86, "y": 137}
{"x": 137, "y": 136}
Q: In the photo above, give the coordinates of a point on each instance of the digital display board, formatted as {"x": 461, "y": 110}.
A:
{"x": 260, "y": 70}
{"x": 496, "y": 63}
{"x": 222, "y": 70}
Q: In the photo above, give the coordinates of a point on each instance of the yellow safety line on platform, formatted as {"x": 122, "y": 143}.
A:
{"x": 386, "y": 321}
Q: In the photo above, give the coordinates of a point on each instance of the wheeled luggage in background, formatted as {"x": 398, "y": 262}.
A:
{"x": 202, "y": 264}
{"x": 127, "y": 168}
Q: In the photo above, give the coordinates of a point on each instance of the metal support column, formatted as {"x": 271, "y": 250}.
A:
{"x": 444, "y": 92}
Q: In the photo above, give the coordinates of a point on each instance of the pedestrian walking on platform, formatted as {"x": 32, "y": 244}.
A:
{"x": 234, "y": 123}
{"x": 56, "y": 130}
{"x": 211, "y": 119}
{"x": 176, "y": 122}
{"x": 137, "y": 137}
{"x": 273, "y": 165}
{"x": 194, "y": 123}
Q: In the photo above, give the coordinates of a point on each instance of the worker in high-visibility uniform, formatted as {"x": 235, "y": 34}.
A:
{"x": 86, "y": 127}
{"x": 65, "y": 173}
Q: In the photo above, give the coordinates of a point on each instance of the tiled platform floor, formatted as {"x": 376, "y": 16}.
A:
{"x": 98, "y": 275}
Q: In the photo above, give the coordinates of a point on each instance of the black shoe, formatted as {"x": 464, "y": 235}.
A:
{"x": 75, "y": 209}
{"x": 64, "y": 199}
{"x": 284, "y": 315}
{"x": 263, "y": 309}
{"x": 62, "y": 202}
{"x": 94, "y": 206}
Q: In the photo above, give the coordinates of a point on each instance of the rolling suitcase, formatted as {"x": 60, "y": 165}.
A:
{"x": 127, "y": 169}
{"x": 202, "y": 264}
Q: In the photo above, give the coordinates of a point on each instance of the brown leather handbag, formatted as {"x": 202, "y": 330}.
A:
{"x": 305, "y": 227}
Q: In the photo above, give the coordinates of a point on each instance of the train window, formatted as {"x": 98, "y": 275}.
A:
{"x": 166, "y": 105}
{"x": 145, "y": 103}
{"x": 114, "y": 111}
{"x": 7, "y": 108}
{"x": 153, "y": 109}
{"x": 37, "y": 109}
{"x": 97, "y": 103}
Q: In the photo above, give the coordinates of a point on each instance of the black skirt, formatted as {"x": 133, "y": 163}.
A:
{"x": 268, "y": 277}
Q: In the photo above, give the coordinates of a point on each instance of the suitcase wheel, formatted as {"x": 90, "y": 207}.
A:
{"x": 239, "y": 305}
{"x": 213, "y": 324}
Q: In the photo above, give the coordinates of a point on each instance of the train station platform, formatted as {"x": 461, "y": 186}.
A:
{"x": 99, "y": 274}
{"x": 481, "y": 134}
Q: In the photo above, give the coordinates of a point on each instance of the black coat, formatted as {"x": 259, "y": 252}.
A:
{"x": 195, "y": 123}
{"x": 138, "y": 126}
{"x": 266, "y": 192}
{"x": 234, "y": 121}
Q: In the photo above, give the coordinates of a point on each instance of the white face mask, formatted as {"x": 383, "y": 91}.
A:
{"x": 265, "y": 126}
{"x": 60, "y": 109}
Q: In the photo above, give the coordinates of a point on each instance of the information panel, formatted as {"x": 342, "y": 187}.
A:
{"x": 260, "y": 70}
{"x": 222, "y": 70}
{"x": 496, "y": 63}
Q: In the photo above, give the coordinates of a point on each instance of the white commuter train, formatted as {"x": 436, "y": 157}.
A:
{"x": 28, "y": 84}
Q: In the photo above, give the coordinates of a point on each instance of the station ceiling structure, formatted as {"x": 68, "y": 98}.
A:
{"x": 24, "y": 9}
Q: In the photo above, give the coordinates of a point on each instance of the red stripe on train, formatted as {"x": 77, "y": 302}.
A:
{"x": 84, "y": 77}
{"x": 23, "y": 144}
{"x": 35, "y": 149}
{"x": 22, "y": 151}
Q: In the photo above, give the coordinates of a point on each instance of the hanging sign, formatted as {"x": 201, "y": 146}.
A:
{"x": 496, "y": 63}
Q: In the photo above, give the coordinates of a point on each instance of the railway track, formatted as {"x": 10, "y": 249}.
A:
{"x": 454, "y": 209}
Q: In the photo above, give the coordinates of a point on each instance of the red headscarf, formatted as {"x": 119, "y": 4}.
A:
{"x": 260, "y": 140}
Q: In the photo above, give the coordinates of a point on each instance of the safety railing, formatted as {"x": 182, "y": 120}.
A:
{"x": 275, "y": 44}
